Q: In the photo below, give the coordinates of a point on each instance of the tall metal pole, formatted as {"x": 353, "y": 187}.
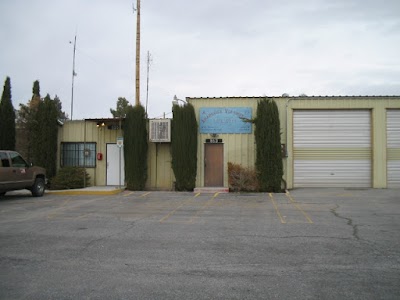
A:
{"x": 147, "y": 85}
{"x": 73, "y": 76}
{"x": 137, "y": 102}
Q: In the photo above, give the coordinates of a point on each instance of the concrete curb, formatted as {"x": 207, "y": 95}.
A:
{"x": 210, "y": 190}
{"x": 86, "y": 192}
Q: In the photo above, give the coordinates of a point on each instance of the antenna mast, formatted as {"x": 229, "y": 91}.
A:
{"x": 137, "y": 101}
{"x": 73, "y": 76}
{"x": 148, "y": 72}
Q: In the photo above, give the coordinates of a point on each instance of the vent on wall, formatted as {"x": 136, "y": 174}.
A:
{"x": 160, "y": 130}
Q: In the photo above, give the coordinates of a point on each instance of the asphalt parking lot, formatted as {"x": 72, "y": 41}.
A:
{"x": 307, "y": 244}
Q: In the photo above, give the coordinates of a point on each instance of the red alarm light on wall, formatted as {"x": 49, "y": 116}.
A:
{"x": 99, "y": 156}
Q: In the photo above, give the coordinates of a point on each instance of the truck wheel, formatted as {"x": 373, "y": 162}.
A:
{"x": 38, "y": 187}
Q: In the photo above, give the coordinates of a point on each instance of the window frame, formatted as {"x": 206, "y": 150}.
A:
{"x": 75, "y": 160}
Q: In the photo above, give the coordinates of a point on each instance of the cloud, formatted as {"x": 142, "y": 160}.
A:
{"x": 199, "y": 48}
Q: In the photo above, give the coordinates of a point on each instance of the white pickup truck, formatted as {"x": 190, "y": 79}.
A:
{"x": 17, "y": 174}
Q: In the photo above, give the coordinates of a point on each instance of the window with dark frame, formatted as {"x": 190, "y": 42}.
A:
{"x": 4, "y": 161}
{"x": 78, "y": 155}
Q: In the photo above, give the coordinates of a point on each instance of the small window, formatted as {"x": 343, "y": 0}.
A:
{"x": 17, "y": 161}
{"x": 78, "y": 155}
{"x": 4, "y": 161}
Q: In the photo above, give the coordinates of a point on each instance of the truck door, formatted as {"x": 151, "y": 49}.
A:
{"x": 21, "y": 174}
{"x": 6, "y": 172}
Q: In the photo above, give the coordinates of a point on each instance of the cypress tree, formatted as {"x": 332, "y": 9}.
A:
{"x": 184, "y": 147}
{"x": 28, "y": 124}
{"x": 7, "y": 118}
{"x": 45, "y": 146}
{"x": 135, "y": 148}
{"x": 36, "y": 89}
{"x": 268, "y": 141}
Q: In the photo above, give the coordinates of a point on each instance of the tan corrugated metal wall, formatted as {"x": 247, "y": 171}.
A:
{"x": 393, "y": 148}
{"x": 240, "y": 148}
{"x": 160, "y": 175}
{"x": 80, "y": 131}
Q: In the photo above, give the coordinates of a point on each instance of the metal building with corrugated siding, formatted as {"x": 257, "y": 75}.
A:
{"x": 393, "y": 148}
{"x": 332, "y": 141}
{"x": 329, "y": 141}
{"x": 92, "y": 144}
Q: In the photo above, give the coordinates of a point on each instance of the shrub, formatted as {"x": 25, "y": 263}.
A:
{"x": 242, "y": 179}
{"x": 69, "y": 178}
{"x": 135, "y": 148}
{"x": 184, "y": 147}
{"x": 268, "y": 140}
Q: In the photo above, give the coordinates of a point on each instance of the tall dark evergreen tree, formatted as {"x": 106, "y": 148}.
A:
{"x": 36, "y": 89}
{"x": 135, "y": 148}
{"x": 45, "y": 146}
{"x": 37, "y": 129}
{"x": 28, "y": 124}
{"x": 184, "y": 147}
{"x": 122, "y": 108}
{"x": 7, "y": 118}
{"x": 268, "y": 142}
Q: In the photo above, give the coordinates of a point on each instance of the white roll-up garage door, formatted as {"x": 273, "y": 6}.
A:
{"x": 393, "y": 148}
{"x": 332, "y": 148}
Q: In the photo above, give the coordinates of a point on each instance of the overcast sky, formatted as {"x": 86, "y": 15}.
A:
{"x": 208, "y": 48}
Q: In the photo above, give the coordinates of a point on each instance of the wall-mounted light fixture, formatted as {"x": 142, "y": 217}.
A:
{"x": 176, "y": 100}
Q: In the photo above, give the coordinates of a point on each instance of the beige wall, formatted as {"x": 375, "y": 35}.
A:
{"x": 160, "y": 174}
{"x": 159, "y": 170}
{"x": 87, "y": 131}
{"x": 240, "y": 148}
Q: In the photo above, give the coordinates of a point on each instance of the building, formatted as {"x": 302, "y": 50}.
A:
{"x": 348, "y": 141}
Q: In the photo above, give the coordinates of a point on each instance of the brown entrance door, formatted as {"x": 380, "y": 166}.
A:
{"x": 213, "y": 165}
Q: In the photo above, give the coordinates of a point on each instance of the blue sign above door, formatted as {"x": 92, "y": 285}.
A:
{"x": 225, "y": 120}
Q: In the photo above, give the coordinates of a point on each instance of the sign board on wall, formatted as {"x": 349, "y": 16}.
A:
{"x": 120, "y": 141}
{"x": 225, "y": 120}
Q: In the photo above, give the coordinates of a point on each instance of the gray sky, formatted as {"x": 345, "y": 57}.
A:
{"x": 208, "y": 48}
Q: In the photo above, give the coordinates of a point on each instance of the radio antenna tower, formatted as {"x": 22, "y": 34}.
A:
{"x": 149, "y": 60}
{"x": 73, "y": 77}
{"x": 137, "y": 100}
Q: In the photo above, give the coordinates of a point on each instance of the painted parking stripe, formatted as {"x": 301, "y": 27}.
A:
{"x": 175, "y": 210}
{"x": 283, "y": 221}
{"x": 207, "y": 204}
{"x": 298, "y": 207}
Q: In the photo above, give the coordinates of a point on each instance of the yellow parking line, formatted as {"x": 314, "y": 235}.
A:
{"x": 298, "y": 207}
{"x": 174, "y": 211}
{"x": 144, "y": 195}
{"x": 82, "y": 216}
{"x": 128, "y": 194}
{"x": 276, "y": 209}
{"x": 196, "y": 215}
{"x": 55, "y": 211}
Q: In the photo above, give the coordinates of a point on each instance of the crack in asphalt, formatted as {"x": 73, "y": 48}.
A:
{"x": 90, "y": 243}
{"x": 349, "y": 222}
